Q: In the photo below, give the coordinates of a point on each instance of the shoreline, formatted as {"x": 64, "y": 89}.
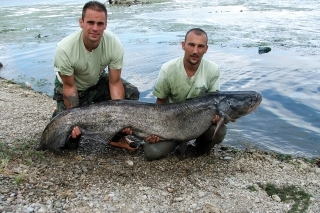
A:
{"x": 100, "y": 178}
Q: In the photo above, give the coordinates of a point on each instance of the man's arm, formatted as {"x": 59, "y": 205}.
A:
{"x": 70, "y": 92}
{"x": 115, "y": 84}
{"x": 70, "y": 98}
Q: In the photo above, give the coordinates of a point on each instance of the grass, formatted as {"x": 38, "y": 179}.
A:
{"x": 3, "y": 164}
{"x": 286, "y": 193}
{"x": 10, "y": 82}
{"x": 24, "y": 152}
{"x": 19, "y": 179}
{"x": 7, "y": 30}
{"x": 251, "y": 188}
{"x": 284, "y": 157}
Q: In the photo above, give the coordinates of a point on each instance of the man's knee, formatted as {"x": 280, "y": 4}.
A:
{"x": 131, "y": 91}
{"x": 206, "y": 141}
{"x": 155, "y": 151}
{"x": 219, "y": 136}
{"x": 221, "y": 133}
{"x": 151, "y": 152}
{"x": 132, "y": 94}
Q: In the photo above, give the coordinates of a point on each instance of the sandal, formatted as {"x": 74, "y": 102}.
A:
{"x": 125, "y": 143}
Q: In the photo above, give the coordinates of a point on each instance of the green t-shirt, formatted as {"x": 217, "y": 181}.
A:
{"x": 174, "y": 84}
{"x": 73, "y": 58}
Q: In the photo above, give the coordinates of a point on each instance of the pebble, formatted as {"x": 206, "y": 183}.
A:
{"x": 276, "y": 198}
{"x": 129, "y": 162}
{"x": 227, "y": 158}
{"x": 170, "y": 189}
{"x": 4, "y": 190}
{"x": 30, "y": 209}
{"x": 178, "y": 199}
{"x": 111, "y": 209}
{"x": 202, "y": 193}
{"x": 42, "y": 210}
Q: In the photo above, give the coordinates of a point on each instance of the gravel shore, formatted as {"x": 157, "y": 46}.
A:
{"x": 99, "y": 178}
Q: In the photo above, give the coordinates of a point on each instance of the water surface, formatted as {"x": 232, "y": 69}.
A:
{"x": 288, "y": 119}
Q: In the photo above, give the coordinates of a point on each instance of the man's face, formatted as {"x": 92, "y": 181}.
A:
{"x": 194, "y": 47}
{"x": 93, "y": 25}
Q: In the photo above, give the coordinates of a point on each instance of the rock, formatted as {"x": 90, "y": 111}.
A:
{"x": 169, "y": 189}
{"x": 210, "y": 209}
{"x": 178, "y": 199}
{"x": 30, "y": 209}
{"x": 42, "y": 210}
{"x": 276, "y": 198}
{"x": 202, "y": 193}
{"x": 4, "y": 190}
{"x": 262, "y": 49}
{"x": 129, "y": 163}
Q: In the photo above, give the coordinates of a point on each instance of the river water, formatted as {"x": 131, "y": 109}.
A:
{"x": 288, "y": 77}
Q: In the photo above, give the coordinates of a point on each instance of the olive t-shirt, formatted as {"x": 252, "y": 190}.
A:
{"x": 174, "y": 84}
{"x": 73, "y": 58}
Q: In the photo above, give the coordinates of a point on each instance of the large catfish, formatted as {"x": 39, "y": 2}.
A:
{"x": 181, "y": 121}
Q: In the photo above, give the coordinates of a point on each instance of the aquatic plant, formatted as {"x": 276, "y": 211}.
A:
{"x": 289, "y": 192}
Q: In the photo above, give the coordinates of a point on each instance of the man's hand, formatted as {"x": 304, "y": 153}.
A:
{"x": 75, "y": 132}
{"x": 127, "y": 131}
{"x": 216, "y": 119}
{"x": 152, "y": 139}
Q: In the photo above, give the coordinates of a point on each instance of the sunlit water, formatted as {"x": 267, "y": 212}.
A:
{"x": 288, "y": 119}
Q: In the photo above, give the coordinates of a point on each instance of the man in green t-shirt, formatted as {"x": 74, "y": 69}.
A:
{"x": 80, "y": 62}
{"x": 183, "y": 78}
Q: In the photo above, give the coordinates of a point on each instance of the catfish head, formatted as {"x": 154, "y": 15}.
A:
{"x": 233, "y": 105}
{"x": 236, "y": 104}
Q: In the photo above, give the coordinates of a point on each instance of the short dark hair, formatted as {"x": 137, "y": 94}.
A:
{"x": 197, "y": 31}
{"x": 94, "y": 5}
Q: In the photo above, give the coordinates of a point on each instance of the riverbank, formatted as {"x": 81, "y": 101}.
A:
{"x": 98, "y": 178}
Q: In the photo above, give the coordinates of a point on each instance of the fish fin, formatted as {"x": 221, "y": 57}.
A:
{"x": 220, "y": 122}
{"x": 183, "y": 146}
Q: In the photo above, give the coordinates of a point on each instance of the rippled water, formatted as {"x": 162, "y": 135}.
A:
{"x": 288, "y": 119}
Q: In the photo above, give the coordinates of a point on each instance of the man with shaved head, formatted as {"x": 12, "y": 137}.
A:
{"x": 182, "y": 78}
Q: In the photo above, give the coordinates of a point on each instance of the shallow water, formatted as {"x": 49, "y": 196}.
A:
{"x": 288, "y": 119}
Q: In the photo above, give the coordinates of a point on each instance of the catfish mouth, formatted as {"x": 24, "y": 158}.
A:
{"x": 255, "y": 103}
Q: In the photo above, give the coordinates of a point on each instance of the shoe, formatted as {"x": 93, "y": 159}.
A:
{"x": 125, "y": 143}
